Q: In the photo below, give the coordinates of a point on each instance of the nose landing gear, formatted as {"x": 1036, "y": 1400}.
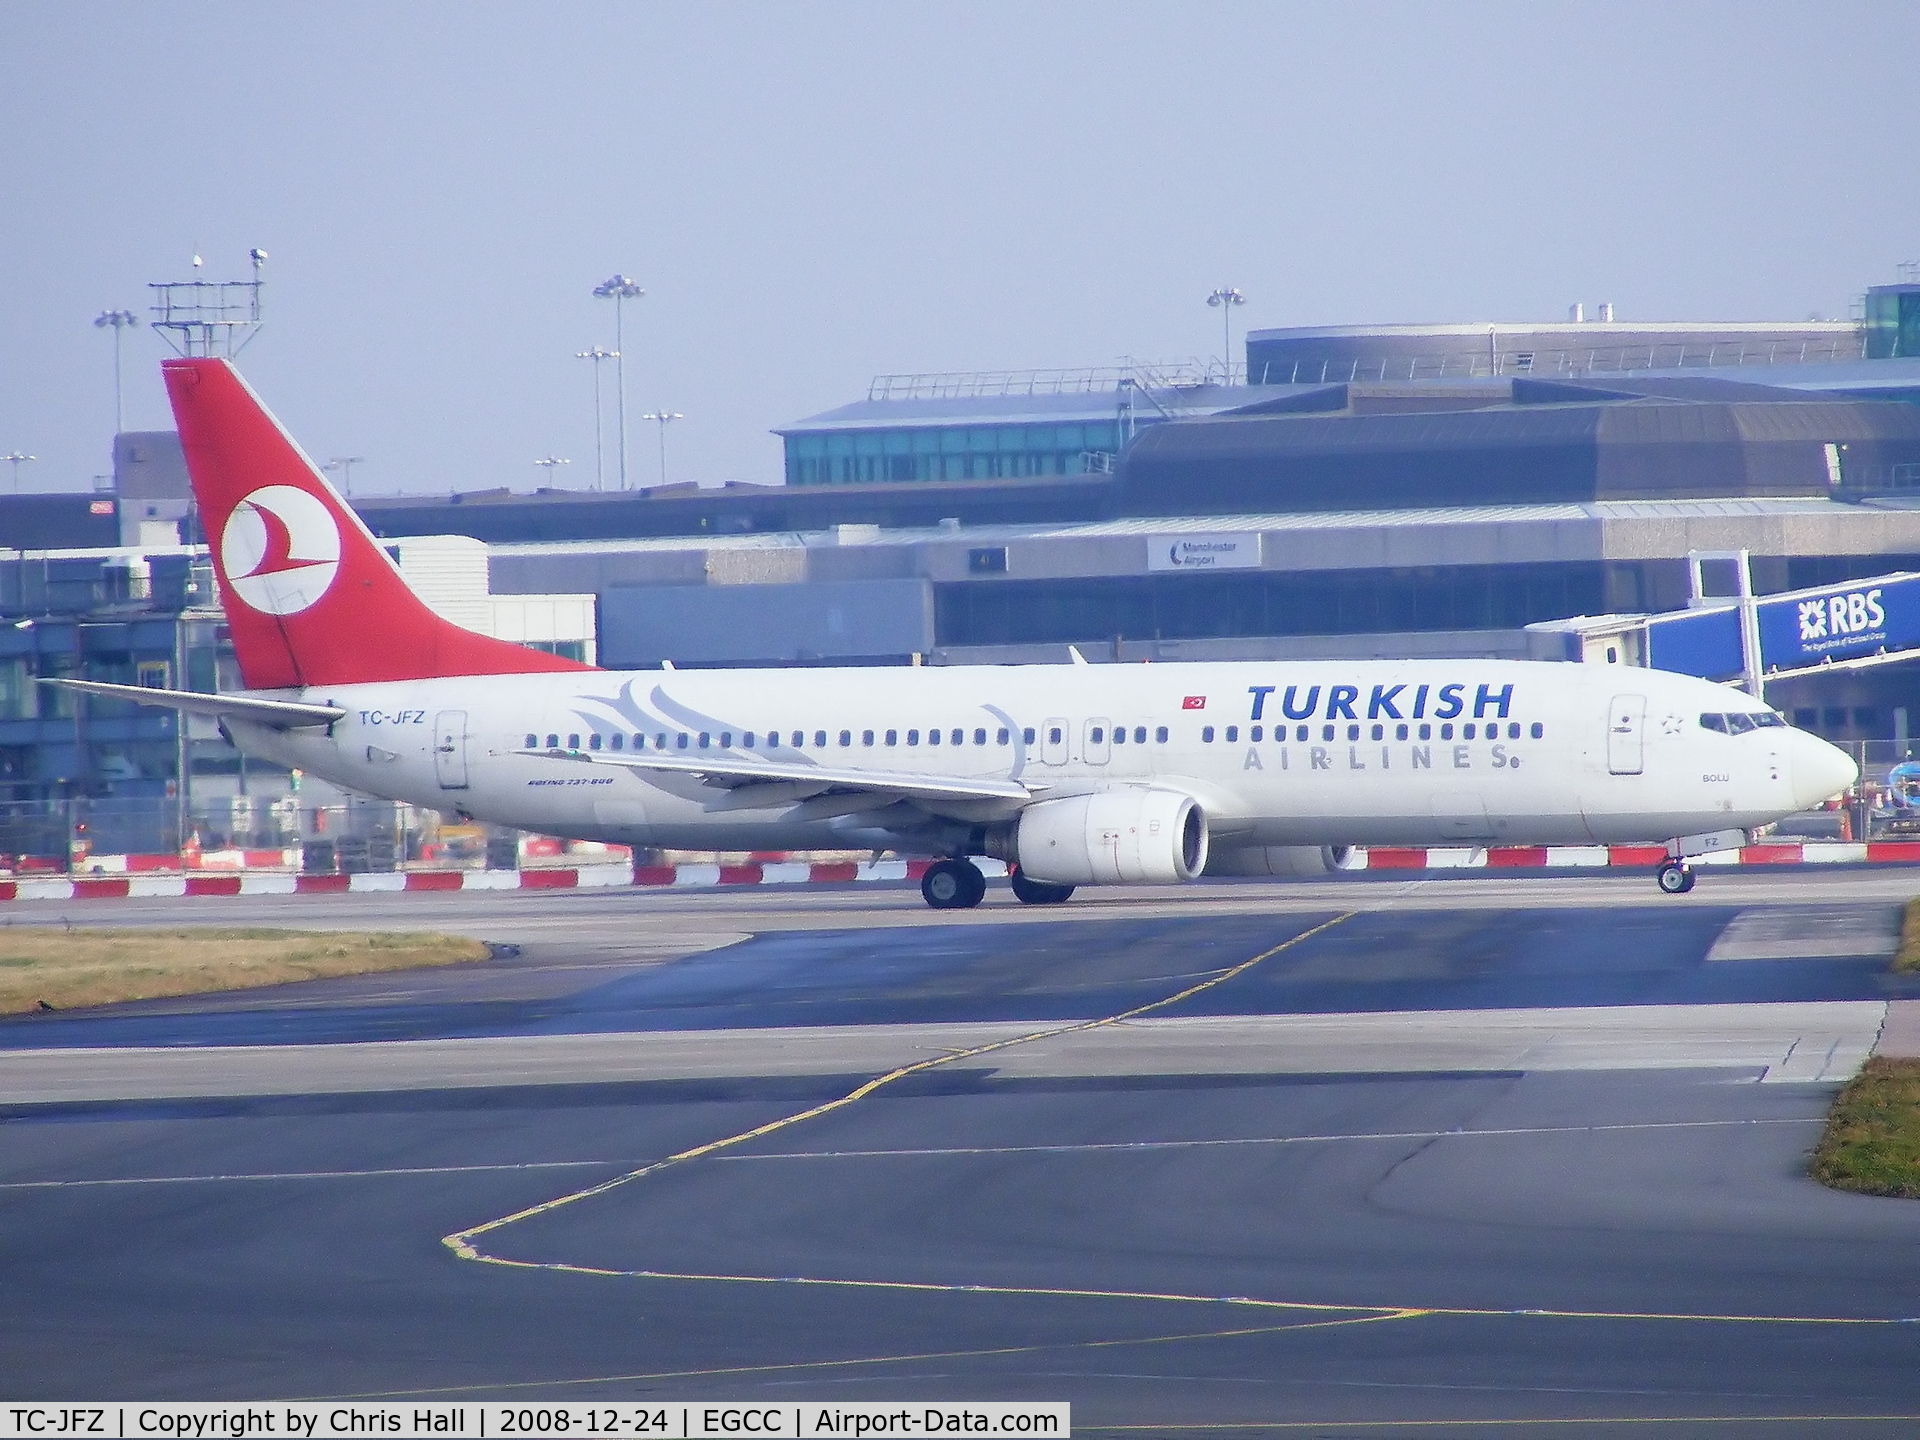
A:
{"x": 1674, "y": 877}
{"x": 953, "y": 885}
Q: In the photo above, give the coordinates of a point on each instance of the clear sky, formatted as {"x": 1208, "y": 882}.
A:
{"x": 816, "y": 193}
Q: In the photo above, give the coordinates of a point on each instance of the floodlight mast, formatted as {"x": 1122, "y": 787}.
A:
{"x": 619, "y": 289}
{"x": 1226, "y": 298}
{"x": 597, "y": 355}
{"x": 664, "y": 418}
{"x": 119, "y": 320}
{"x": 17, "y": 458}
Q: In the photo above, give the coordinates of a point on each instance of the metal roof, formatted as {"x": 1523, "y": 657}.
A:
{"x": 1597, "y": 512}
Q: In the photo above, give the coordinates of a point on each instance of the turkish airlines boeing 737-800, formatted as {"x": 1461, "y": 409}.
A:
{"x": 1076, "y": 775}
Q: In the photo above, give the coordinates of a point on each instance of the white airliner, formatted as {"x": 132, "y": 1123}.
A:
{"x": 1075, "y": 775}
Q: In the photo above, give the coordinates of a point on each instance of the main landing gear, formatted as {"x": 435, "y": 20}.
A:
{"x": 1674, "y": 877}
{"x": 953, "y": 885}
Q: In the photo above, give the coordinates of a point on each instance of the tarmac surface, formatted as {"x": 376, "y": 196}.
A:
{"x": 1357, "y": 1157}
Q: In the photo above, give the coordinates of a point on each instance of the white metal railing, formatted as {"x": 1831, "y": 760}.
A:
{"x": 1466, "y": 365}
{"x": 1089, "y": 380}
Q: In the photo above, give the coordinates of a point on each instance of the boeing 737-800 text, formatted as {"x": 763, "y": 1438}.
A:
{"x": 1075, "y": 775}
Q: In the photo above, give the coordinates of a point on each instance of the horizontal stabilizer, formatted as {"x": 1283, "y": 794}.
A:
{"x": 281, "y": 714}
{"x": 733, "y": 771}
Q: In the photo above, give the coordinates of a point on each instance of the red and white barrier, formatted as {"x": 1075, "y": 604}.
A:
{"x": 1534, "y": 857}
{"x": 162, "y": 885}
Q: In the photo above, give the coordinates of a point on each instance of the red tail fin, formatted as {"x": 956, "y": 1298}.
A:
{"x": 310, "y": 596}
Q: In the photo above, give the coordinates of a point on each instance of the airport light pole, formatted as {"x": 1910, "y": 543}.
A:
{"x": 342, "y": 465}
{"x": 16, "y": 459}
{"x": 597, "y": 355}
{"x": 119, "y": 320}
{"x": 619, "y": 289}
{"x": 665, "y": 418}
{"x": 551, "y": 464}
{"x": 1226, "y": 299}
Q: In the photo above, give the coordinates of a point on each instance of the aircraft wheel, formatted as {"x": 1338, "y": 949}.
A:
{"x": 953, "y": 885}
{"x": 1037, "y": 892}
{"x": 1675, "y": 877}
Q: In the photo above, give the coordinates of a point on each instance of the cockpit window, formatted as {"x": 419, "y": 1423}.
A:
{"x": 1739, "y": 722}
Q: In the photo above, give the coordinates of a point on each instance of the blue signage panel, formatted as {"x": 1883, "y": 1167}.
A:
{"x": 1839, "y": 622}
{"x": 1696, "y": 642}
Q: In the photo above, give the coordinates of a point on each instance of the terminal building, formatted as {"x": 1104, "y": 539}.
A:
{"x": 1401, "y": 490}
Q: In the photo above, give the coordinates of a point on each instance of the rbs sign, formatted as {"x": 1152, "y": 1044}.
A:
{"x": 1840, "y": 622}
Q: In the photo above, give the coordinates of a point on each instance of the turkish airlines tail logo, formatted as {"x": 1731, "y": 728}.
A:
{"x": 281, "y": 550}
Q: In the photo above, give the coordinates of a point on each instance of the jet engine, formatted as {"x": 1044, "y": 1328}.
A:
{"x": 1297, "y": 861}
{"x": 1128, "y": 836}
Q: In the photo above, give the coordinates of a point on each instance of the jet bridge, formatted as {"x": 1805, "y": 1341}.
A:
{"x": 1749, "y": 639}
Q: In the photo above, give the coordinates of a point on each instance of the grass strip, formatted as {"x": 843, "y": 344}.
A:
{"x": 50, "y": 967}
{"x": 1907, "y": 958}
{"x": 1872, "y": 1140}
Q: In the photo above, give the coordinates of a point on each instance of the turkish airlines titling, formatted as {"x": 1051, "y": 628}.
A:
{"x": 311, "y": 1420}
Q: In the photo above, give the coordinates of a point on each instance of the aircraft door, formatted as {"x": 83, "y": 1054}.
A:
{"x": 450, "y": 749}
{"x": 1053, "y": 742}
{"x": 1094, "y": 741}
{"x": 1626, "y": 734}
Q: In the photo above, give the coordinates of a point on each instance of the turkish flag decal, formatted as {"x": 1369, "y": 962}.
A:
{"x": 1194, "y": 702}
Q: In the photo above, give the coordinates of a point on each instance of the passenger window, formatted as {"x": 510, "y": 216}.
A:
{"x": 659, "y": 741}
{"x": 593, "y": 741}
{"x": 616, "y": 741}
{"x": 799, "y": 739}
{"x": 1379, "y": 732}
{"x": 846, "y": 738}
{"x": 1537, "y": 730}
{"x": 1026, "y": 735}
{"x": 1233, "y": 732}
{"x": 1399, "y": 732}
{"x": 1119, "y": 734}
{"x": 1300, "y": 734}
{"x": 1206, "y": 734}
{"x": 1353, "y": 732}
{"x": 1096, "y": 735}
{"x": 958, "y": 737}
{"x": 1160, "y": 735}
{"x": 1002, "y": 736}
{"x": 1446, "y": 731}
{"x": 933, "y": 737}
{"x": 1054, "y": 737}
{"x": 820, "y": 739}
{"x": 1256, "y": 733}
{"x": 893, "y": 737}
{"x": 532, "y": 742}
{"x": 1139, "y": 734}
{"x": 706, "y": 740}
{"x": 866, "y": 737}
{"x": 553, "y": 742}
{"x": 1426, "y": 732}
{"x": 1466, "y": 731}
{"x": 1326, "y": 732}
{"x": 913, "y": 737}
{"x": 979, "y": 737}
{"x": 748, "y": 738}
{"x": 1513, "y": 730}
{"x": 573, "y": 742}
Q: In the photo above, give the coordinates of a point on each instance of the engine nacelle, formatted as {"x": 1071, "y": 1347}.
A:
{"x": 1296, "y": 861}
{"x": 1131, "y": 836}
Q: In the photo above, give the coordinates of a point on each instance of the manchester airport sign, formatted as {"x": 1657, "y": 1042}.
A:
{"x": 1203, "y": 552}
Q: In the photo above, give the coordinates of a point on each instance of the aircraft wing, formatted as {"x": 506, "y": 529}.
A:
{"x": 730, "y": 769}
{"x": 281, "y": 714}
